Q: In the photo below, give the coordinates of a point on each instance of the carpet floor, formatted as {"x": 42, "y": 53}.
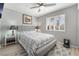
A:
{"x": 59, "y": 50}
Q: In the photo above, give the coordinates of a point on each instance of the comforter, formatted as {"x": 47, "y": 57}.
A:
{"x": 32, "y": 41}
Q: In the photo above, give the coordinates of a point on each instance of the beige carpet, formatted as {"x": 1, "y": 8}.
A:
{"x": 59, "y": 50}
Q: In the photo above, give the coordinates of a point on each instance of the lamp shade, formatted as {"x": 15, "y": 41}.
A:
{"x": 37, "y": 27}
{"x": 13, "y": 27}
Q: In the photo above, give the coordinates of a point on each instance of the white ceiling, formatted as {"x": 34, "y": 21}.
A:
{"x": 25, "y": 8}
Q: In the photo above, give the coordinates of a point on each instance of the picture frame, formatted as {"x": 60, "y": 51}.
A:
{"x": 27, "y": 19}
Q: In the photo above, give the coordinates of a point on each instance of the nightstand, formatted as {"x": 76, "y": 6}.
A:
{"x": 10, "y": 38}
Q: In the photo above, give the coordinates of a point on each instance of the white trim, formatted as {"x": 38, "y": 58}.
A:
{"x": 73, "y": 46}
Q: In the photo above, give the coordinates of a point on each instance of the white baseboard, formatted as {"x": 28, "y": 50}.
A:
{"x": 73, "y": 46}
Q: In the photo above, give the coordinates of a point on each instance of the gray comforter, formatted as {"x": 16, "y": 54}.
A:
{"x": 32, "y": 40}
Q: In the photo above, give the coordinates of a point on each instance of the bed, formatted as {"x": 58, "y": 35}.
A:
{"x": 36, "y": 43}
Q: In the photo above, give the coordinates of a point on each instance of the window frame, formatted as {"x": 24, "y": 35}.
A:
{"x": 48, "y": 18}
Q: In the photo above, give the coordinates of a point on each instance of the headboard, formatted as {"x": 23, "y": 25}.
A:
{"x": 26, "y": 28}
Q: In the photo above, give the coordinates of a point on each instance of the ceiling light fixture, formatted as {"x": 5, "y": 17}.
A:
{"x": 42, "y": 6}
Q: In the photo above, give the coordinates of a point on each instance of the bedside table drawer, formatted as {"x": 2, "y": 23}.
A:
{"x": 10, "y": 40}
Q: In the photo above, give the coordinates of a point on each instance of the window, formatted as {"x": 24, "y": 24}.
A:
{"x": 56, "y": 23}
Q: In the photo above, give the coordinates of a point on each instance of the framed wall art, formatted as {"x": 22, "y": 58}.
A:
{"x": 27, "y": 19}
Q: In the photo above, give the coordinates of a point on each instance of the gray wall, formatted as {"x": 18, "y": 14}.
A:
{"x": 78, "y": 29}
{"x": 11, "y": 17}
{"x": 70, "y": 24}
{"x": 14, "y": 18}
{"x": 0, "y": 28}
